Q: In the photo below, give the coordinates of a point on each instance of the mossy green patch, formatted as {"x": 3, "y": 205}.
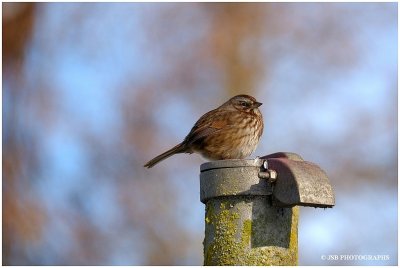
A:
{"x": 246, "y": 232}
{"x": 229, "y": 236}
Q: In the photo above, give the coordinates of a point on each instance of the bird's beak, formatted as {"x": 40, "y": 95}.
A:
{"x": 257, "y": 104}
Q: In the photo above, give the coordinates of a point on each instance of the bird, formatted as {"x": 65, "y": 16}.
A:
{"x": 231, "y": 131}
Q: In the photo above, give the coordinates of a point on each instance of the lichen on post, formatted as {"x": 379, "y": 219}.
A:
{"x": 249, "y": 231}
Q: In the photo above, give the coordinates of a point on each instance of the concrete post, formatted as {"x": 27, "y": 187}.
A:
{"x": 242, "y": 227}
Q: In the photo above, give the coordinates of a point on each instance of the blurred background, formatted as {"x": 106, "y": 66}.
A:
{"x": 92, "y": 91}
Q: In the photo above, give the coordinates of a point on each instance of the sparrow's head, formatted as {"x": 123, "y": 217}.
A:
{"x": 244, "y": 103}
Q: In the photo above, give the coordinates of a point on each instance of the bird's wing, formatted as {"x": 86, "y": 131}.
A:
{"x": 204, "y": 127}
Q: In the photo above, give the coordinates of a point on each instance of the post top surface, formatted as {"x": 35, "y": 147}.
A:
{"x": 257, "y": 162}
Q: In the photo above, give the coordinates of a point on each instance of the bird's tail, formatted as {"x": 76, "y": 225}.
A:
{"x": 180, "y": 148}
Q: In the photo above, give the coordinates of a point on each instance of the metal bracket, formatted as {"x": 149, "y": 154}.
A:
{"x": 298, "y": 182}
{"x": 286, "y": 177}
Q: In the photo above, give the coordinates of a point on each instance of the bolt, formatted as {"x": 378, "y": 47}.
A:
{"x": 272, "y": 175}
{"x": 269, "y": 174}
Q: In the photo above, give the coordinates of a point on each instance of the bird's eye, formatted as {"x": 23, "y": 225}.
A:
{"x": 245, "y": 104}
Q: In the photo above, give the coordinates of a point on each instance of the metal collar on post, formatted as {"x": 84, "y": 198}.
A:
{"x": 232, "y": 177}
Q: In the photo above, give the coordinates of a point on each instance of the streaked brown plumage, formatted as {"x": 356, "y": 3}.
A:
{"x": 231, "y": 131}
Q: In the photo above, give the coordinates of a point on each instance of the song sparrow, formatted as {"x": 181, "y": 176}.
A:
{"x": 231, "y": 131}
